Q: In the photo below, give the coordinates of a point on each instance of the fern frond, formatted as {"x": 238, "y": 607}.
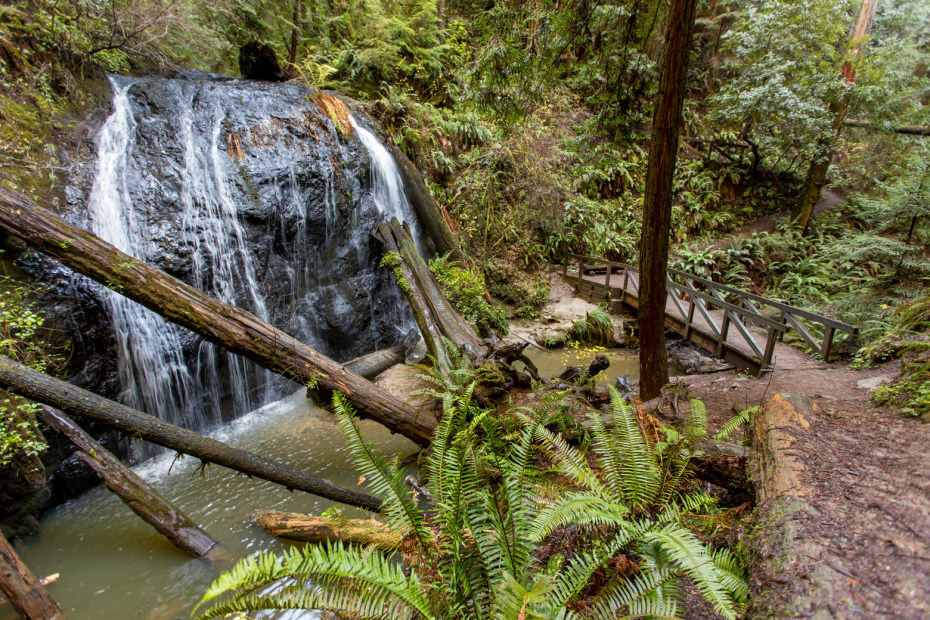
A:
{"x": 314, "y": 577}
{"x": 732, "y": 574}
{"x": 635, "y": 458}
{"x": 382, "y": 477}
{"x": 689, "y": 553}
{"x": 571, "y": 462}
{"x": 581, "y": 509}
{"x": 730, "y": 426}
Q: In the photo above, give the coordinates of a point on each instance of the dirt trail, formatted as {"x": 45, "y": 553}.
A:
{"x": 828, "y": 200}
{"x": 866, "y": 476}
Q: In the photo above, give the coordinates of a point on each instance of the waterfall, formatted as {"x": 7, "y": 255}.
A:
{"x": 387, "y": 186}
{"x": 152, "y": 370}
{"x": 246, "y": 191}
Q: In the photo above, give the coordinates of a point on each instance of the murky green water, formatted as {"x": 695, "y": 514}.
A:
{"x": 115, "y": 567}
{"x": 551, "y": 362}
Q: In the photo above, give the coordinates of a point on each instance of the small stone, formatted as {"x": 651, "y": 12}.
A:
{"x": 871, "y": 384}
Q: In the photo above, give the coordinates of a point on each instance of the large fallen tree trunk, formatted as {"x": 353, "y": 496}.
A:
{"x": 28, "y": 596}
{"x": 307, "y": 528}
{"x": 434, "y": 313}
{"x": 135, "y": 492}
{"x": 73, "y": 400}
{"x": 222, "y": 324}
{"x": 368, "y": 366}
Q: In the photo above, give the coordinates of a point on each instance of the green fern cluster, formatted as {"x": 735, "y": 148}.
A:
{"x": 473, "y": 552}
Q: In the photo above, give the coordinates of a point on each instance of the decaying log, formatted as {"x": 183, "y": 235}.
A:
{"x": 135, "y": 492}
{"x": 73, "y": 400}
{"x": 44, "y": 581}
{"x": 436, "y": 317}
{"x": 222, "y": 324}
{"x": 28, "y": 596}
{"x": 911, "y": 130}
{"x": 368, "y": 366}
{"x": 782, "y": 536}
{"x": 307, "y": 528}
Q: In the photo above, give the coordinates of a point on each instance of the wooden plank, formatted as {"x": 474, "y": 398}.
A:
{"x": 806, "y": 335}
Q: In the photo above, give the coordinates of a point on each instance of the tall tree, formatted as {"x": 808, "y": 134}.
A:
{"x": 657, "y": 206}
{"x": 817, "y": 173}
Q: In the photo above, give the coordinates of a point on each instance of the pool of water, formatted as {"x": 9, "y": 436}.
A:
{"x": 551, "y": 362}
{"x": 112, "y": 565}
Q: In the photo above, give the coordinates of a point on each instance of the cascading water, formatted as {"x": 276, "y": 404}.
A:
{"x": 247, "y": 191}
{"x": 152, "y": 369}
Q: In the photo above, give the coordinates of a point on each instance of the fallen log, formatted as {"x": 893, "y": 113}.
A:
{"x": 135, "y": 492}
{"x": 430, "y": 214}
{"x": 368, "y": 366}
{"x": 44, "y": 581}
{"x": 73, "y": 400}
{"x": 28, "y": 596}
{"x": 416, "y": 298}
{"x": 910, "y": 130}
{"x": 310, "y": 529}
{"x": 230, "y": 327}
{"x": 448, "y": 320}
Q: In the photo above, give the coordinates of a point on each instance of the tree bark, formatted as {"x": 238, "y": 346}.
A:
{"x": 135, "y": 492}
{"x": 307, "y": 528}
{"x": 657, "y": 207}
{"x": 826, "y": 145}
{"x": 222, "y": 324}
{"x": 28, "y": 596}
{"x": 73, "y": 400}
{"x": 368, "y": 366}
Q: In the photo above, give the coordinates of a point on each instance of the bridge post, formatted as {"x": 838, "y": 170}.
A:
{"x": 769, "y": 349}
{"x": 827, "y": 343}
{"x": 724, "y": 328}
{"x": 690, "y": 324}
{"x": 607, "y": 278}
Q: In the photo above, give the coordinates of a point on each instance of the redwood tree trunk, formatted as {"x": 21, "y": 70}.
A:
{"x": 826, "y": 146}
{"x": 222, "y": 324}
{"x": 657, "y": 206}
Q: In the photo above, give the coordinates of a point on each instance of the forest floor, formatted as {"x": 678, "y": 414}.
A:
{"x": 865, "y": 476}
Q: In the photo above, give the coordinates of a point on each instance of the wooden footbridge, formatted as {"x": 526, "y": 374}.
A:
{"x": 739, "y": 327}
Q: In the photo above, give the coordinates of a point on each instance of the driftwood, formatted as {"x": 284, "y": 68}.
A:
{"x": 135, "y": 492}
{"x": 28, "y": 596}
{"x": 573, "y": 374}
{"x": 73, "y": 400}
{"x": 307, "y": 528}
{"x": 222, "y": 324}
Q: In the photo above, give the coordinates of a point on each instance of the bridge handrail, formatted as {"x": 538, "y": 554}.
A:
{"x": 811, "y": 316}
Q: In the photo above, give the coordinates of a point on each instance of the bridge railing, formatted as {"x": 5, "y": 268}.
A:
{"x": 703, "y": 295}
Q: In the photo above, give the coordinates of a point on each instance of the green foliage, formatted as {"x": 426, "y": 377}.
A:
{"x": 471, "y": 553}
{"x": 394, "y": 262}
{"x": 466, "y": 289}
{"x": 596, "y": 328}
{"x": 733, "y": 424}
{"x": 22, "y": 339}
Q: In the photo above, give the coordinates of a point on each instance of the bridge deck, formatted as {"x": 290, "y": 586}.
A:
{"x": 739, "y": 334}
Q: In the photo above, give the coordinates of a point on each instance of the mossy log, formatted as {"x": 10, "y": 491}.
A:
{"x": 135, "y": 492}
{"x": 435, "y": 314}
{"x": 368, "y": 366}
{"x": 73, "y": 400}
{"x": 222, "y": 324}
{"x": 28, "y": 596}
{"x": 311, "y": 529}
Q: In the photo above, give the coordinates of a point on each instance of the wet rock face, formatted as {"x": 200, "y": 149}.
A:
{"x": 206, "y": 148}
